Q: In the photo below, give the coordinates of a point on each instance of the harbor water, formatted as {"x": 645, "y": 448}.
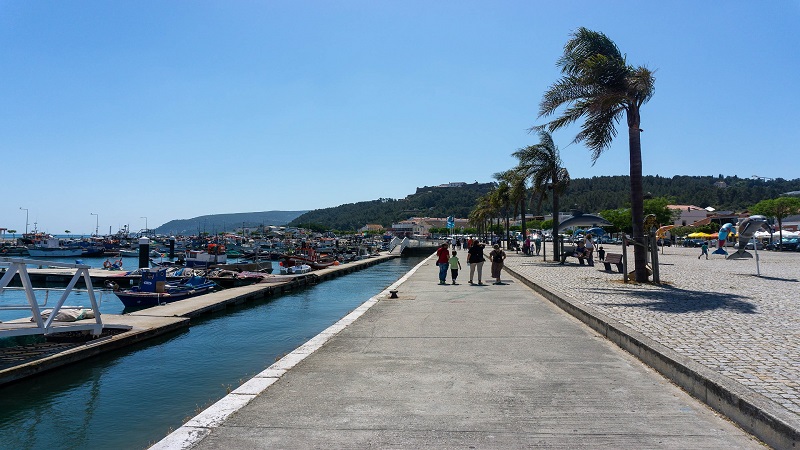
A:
{"x": 133, "y": 397}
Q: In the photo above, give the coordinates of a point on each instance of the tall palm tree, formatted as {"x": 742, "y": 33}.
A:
{"x": 542, "y": 163}
{"x": 599, "y": 86}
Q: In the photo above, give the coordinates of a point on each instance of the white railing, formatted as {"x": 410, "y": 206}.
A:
{"x": 49, "y": 325}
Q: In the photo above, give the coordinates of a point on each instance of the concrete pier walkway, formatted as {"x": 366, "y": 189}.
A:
{"x": 458, "y": 367}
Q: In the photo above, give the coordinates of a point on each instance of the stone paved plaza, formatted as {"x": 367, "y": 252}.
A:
{"x": 717, "y": 312}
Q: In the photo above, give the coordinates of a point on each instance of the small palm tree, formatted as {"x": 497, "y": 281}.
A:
{"x": 599, "y": 86}
{"x": 517, "y": 192}
{"x": 542, "y": 163}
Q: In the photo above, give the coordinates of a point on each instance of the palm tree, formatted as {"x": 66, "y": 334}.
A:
{"x": 517, "y": 192}
{"x": 480, "y": 213}
{"x": 599, "y": 86}
{"x": 542, "y": 163}
{"x": 502, "y": 197}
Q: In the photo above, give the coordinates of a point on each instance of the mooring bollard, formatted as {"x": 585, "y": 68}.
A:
{"x": 393, "y": 293}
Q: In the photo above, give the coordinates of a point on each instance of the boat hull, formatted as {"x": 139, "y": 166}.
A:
{"x": 54, "y": 252}
{"x": 147, "y": 299}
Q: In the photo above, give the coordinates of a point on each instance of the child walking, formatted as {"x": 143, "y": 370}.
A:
{"x": 455, "y": 264}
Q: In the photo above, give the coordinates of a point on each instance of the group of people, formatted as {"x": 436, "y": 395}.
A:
{"x": 475, "y": 259}
{"x": 531, "y": 244}
{"x": 585, "y": 249}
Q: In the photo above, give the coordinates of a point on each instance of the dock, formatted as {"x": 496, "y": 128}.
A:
{"x": 123, "y": 330}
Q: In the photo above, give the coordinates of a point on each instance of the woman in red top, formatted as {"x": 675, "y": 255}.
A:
{"x": 443, "y": 261}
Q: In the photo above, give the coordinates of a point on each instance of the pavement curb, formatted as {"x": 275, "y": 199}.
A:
{"x": 753, "y": 412}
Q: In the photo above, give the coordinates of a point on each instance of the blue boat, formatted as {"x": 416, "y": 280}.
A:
{"x": 153, "y": 289}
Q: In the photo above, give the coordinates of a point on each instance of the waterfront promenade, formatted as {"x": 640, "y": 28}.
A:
{"x": 502, "y": 367}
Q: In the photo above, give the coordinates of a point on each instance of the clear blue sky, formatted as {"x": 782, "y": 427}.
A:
{"x": 175, "y": 109}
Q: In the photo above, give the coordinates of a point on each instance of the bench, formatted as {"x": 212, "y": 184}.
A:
{"x": 571, "y": 252}
{"x": 613, "y": 258}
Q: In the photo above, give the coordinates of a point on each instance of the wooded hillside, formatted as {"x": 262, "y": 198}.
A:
{"x": 586, "y": 194}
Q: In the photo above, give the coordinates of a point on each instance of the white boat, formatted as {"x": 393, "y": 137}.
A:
{"x": 295, "y": 270}
{"x": 214, "y": 256}
{"x": 52, "y": 248}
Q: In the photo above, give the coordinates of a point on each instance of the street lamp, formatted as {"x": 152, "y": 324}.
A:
{"x": 97, "y": 224}
{"x": 145, "y": 224}
{"x": 26, "y": 218}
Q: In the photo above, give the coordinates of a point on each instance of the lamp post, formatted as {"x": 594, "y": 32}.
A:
{"x": 97, "y": 224}
{"x": 146, "y": 228}
{"x": 26, "y": 218}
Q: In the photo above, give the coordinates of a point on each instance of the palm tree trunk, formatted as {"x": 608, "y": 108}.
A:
{"x": 508, "y": 238}
{"x": 556, "y": 246}
{"x": 524, "y": 234}
{"x": 637, "y": 197}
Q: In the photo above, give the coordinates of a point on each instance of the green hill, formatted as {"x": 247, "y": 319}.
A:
{"x": 214, "y": 223}
{"x": 586, "y": 194}
{"x": 428, "y": 201}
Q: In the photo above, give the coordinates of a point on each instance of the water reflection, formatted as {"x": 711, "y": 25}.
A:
{"x": 135, "y": 396}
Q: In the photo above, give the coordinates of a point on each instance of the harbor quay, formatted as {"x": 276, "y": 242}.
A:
{"x": 123, "y": 330}
{"x": 499, "y": 366}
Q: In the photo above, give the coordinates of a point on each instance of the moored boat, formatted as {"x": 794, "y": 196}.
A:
{"x": 153, "y": 289}
{"x": 52, "y": 247}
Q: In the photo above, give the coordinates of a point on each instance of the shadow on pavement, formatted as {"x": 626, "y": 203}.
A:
{"x": 669, "y": 299}
{"x": 763, "y": 277}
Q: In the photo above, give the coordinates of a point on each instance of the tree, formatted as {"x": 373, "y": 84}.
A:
{"x": 517, "y": 192}
{"x": 779, "y": 208}
{"x": 599, "y": 86}
{"x": 542, "y": 163}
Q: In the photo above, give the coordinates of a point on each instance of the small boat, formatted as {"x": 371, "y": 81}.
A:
{"x": 135, "y": 253}
{"x": 153, "y": 289}
{"x": 295, "y": 270}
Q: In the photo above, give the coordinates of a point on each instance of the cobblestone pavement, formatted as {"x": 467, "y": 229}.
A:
{"x": 717, "y": 312}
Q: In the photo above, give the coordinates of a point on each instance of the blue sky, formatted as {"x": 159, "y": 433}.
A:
{"x": 176, "y": 109}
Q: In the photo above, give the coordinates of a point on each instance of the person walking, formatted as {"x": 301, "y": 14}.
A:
{"x": 497, "y": 256}
{"x": 704, "y": 250}
{"x": 475, "y": 259}
{"x": 443, "y": 261}
{"x": 455, "y": 265}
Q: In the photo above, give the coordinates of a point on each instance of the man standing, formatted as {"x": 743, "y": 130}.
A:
{"x": 443, "y": 261}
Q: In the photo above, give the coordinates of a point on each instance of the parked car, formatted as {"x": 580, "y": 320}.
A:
{"x": 751, "y": 245}
{"x": 664, "y": 243}
{"x": 789, "y": 244}
{"x": 693, "y": 242}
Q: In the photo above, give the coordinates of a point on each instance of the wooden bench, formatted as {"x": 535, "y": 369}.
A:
{"x": 613, "y": 258}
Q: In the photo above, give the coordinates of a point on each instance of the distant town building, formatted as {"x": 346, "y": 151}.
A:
{"x": 422, "y": 226}
{"x": 371, "y": 227}
{"x": 688, "y": 214}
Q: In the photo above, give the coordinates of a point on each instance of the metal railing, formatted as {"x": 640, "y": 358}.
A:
{"x": 39, "y": 325}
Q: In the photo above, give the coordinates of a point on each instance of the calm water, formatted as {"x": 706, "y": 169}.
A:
{"x": 133, "y": 397}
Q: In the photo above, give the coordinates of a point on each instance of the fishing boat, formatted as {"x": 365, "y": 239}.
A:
{"x": 153, "y": 289}
{"x": 52, "y": 247}
{"x": 213, "y": 254}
